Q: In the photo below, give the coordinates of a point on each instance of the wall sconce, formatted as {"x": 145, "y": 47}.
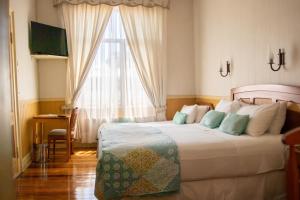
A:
{"x": 227, "y": 70}
{"x": 281, "y": 62}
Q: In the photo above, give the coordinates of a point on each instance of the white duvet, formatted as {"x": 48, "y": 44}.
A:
{"x": 209, "y": 153}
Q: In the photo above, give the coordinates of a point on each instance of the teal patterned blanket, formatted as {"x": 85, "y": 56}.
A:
{"x": 136, "y": 160}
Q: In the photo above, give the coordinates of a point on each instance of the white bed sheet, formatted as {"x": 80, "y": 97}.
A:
{"x": 209, "y": 153}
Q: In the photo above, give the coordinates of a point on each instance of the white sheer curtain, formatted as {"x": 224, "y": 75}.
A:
{"x": 112, "y": 90}
{"x": 85, "y": 25}
{"x": 146, "y": 34}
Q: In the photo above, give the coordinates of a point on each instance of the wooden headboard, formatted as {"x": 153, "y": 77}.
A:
{"x": 275, "y": 93}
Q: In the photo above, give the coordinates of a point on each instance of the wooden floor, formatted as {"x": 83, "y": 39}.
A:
{"x": 60, "y": 180}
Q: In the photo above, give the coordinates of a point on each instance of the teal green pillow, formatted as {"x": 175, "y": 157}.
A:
{"x": 179, "y": 118}
{"x": 212, "y": 119}
{"x": 234, "y": 124}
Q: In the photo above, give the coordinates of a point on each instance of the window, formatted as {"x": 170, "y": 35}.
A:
{"x": 113, "y": 89}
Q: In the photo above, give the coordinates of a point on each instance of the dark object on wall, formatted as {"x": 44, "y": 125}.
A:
{"x": 227, "y": 70}
{"x": 281, "y": 62}
{"x": 48, "y": 40}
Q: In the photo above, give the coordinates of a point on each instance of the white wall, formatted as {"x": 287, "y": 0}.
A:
{"x": 47, "y": 14}
{"x": 180, "y": 52}
{"x": 24, "y": 12}
{"x": 52, "y": 79}
{"x": 181, "y": 67}
{"x": 245, "y": 31}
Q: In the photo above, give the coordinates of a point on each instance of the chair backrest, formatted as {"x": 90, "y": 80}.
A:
{"x": 73, "y": 119}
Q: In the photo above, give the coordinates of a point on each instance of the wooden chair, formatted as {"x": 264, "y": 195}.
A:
{"x": 292, "y": 138}
{"x": 61, "y": 134}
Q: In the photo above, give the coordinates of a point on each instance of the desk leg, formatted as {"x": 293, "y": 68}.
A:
{"x": 34, "y": 132}
{"x": 34, "y": 139}
{"x": 68, "y": 140}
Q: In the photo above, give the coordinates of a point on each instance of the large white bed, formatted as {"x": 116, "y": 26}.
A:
{"x": 215, "y": 165}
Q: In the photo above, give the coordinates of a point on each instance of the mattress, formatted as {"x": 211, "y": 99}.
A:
{"x": 209, "y": 153}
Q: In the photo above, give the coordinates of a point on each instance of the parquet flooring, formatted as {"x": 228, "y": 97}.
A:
{"x": 59, "y": 180}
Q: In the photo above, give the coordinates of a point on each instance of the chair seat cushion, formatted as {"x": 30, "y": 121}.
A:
{"x": 57, "y": 132}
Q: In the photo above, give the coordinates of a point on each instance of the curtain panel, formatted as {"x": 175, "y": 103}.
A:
{"x": 147, "y": 38}
{"x": 85, "y": 25}
{"x": 132, "y": 3}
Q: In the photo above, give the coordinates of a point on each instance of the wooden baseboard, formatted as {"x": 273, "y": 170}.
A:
{"x": 84, "y": 145}
{"x": 26, "y": 161}
{"x": 175, "y": 104}
{"x": 214, "y": 100}
{"x": 62, "y": 145}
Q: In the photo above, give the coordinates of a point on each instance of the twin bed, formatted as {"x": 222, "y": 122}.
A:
{"x": 210, "y": 164}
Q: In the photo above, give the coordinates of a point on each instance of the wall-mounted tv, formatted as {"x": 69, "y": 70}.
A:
{"x": 48, "y": 40}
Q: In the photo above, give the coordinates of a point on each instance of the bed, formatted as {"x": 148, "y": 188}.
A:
{"x": 215, "y": 165}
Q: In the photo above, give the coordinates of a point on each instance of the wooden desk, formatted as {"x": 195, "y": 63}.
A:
{"x": 38, "y": 129}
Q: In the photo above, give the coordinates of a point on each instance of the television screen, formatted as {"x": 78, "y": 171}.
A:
{"x": 48, "y": 40}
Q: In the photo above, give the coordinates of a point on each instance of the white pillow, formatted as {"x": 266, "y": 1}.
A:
{"x": 279, "y": 119}
{"x": 228, "y": 106}
{"x": 261, "y": 117}
{"x": 191, "y": 112}
{"x": 201, "y": 111}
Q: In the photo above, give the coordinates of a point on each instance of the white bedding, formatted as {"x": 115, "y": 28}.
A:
{"x": 260, "y": 187}
{"x": 208, "y": 153}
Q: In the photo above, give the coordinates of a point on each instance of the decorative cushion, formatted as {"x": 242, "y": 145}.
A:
{"x": 234, "y": 124}
{"x": 212, "y": 119}
{"x": 201, "y": 111}
{"x": 228, "y": 106}
{"x": 261, "y": 117}
{"x": 179, "y": 118}
{"x": 279, "y": 119}
{"x": 57, "y": 132}
{"x": 191, "y": 112}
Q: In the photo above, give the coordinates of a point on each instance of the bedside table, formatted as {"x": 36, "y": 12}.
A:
{"x": 292, "y": 139}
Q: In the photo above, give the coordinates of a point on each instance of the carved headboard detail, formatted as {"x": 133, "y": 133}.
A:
{"x": 275, "y": 93}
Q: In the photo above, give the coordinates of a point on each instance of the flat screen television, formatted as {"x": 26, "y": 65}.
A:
{"x": 48, "y": 40}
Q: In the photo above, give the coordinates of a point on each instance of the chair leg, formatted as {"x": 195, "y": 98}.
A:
{"x": 54, "y": 141}
{"x": 72, "y": 150}
{"x": 49, "y": 142}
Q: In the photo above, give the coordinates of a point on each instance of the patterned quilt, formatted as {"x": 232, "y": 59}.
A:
{"x": 136, "y": 160}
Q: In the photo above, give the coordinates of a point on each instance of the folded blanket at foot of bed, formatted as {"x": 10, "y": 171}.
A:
{"x": 136, "y": 160}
